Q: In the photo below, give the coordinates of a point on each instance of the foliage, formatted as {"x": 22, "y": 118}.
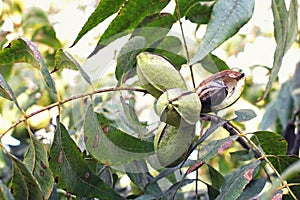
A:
{"x": 92, "y": 138}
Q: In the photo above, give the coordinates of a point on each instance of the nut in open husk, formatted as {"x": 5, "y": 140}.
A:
{"x": 220, "y": 90}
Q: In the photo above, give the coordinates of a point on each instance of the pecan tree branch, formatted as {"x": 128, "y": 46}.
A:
{"x": 59, "y": 103}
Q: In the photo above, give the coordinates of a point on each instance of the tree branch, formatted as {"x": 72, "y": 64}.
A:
{"x": 59, "y": 103}
{"x": 228, "y": 127}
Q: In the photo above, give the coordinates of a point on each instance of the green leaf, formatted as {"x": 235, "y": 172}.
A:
{"x": 272, "y": 143}
{"x": 215, "y": 147}
{"x": 54, "y": 195}
{"x": 171, "y": 192}
{"x": 129, "y": 16}
{"x": 185, "y": 5}
{"x": 285, "y": 23}
{"x": 228, "y": 16}
{"x": 243, "y": 115}
{"x": 4, "y": 40}
{"x": 216, "y": 178}
{"x": 281, "y": 162}
{"x": 104, "y": 9}
{"x": 19, "y": 51}
{"x": 5, "y": 70}
{"x": 71, "y": 171}
{"x": 253, "y": 188}
{"x": 154, "y": 189}
{"x": 5, "y": 193}
{"x": 146, "y": 197}
{"x": 34, "y": 19}
{"x": 242, "y": 155}
{"x": 46, "y": 35}
{"x": 170, "y": 43}
{"x": 23, "y": 184}
{"x": 284, "y": 103}
{"x": 48, "y": 79}
{"x": 36, "y": 161}
{"x": 216, "y": 182}
{"x": 150, "y": 32}
{"x": 131, "y": 118}
{"x": 280, "y": 15}
{"x": 154, "y": 28}
{"x": 167, "y": 173}
{"x": 285, "y": 31}
{"x": 292, "y": 24}
{"x": 170, "y": 47}
{"x": 292, "y": 171}
{"x": 111, "y": 145}
{"x": 127, "y": 57}
{"x": 237, "y": 180}
{"x": 214, "y": 125}
{"x": 65, "y": 60}
{"x": 22, "y": 50}
{"x": 270, "y": 116}
{"x": 6, "y": 92}
{"x": 212, "y": 192}
{"x": 199, "y": 13}
{"x": 213, "y": 64}
{"x": 138, "y": 173}
{"x": 296, "y": 87}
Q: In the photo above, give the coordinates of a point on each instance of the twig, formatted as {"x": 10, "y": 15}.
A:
{"x": 184, "y": 42}
{"x": 182, "y": 32}
{"x": 260, "y": 153}
{"x": 203, "y": 121}
{"x": 233, "y": 131}
{"x": 59, "y": 103}
{"x": 246, "y": 143}
{"x": 227, "y": 126}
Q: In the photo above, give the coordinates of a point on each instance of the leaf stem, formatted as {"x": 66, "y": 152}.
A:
{"x": 182, "y": 32}
{"x": 59, "y": 103}
{"x": 185, "y": 43}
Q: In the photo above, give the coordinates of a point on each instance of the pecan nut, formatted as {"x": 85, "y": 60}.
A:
{"x": 220, "y": 90}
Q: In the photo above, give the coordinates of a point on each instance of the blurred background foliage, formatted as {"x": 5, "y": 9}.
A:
{"x": 55, "y": 24}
